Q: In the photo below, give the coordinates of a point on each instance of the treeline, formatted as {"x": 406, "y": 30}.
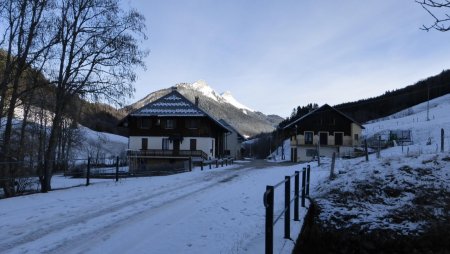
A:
{"x": 397, "y": 100}
{"x": 389, "y": 103}
{"x": 297, "y": 113}
{"x": 53, "y": 55}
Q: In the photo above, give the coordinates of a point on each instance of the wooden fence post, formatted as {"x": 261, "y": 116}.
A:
{"x": 318, "y": 153}
{"x": 308, "y": 172}
{"x": 269, "y": 218}
{"x": 88, "y": 171}
{"x": 296, "y": 194}
{"x": 365, "y": 150}
{"x": 117, "y": 168}
{"x": 287, "y": 207}
{"x": 379, "y": 147}
{"x": 333, "y": 160}
{"x": 303, "y": 186}
{"x": 190, "y": 164}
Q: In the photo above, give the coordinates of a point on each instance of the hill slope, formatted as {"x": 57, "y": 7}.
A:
{"x": 397, "y": 203}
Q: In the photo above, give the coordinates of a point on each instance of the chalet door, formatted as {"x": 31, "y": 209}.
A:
{"x": 338, "y": 138}
{"x": 323, "y": 138}
{"x": 144, "y": 144}
{"x": 193, "y": 144}
{"x": 176, "y": 147}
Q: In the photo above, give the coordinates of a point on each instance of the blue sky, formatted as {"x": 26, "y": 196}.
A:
{"x": 276, "y": 55}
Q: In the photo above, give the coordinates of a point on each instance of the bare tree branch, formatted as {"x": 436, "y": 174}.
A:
{"x": 441, "y": 22}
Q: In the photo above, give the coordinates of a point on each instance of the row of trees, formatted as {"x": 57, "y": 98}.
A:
{"x": 52, "y": 52}
{"x": 297, "y": 113}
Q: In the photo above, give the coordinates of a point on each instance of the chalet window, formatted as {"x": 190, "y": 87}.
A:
{"x": 165, "y": 144}
{"x": 170, "y": 124}
{"x": 191, "y": 123}
{"x": 193, "y": 144}
{"x": 145, "y": 123}
{"x": 309, "y": 137}
{"x": 144, "y": 144}
{"x": 323, "y": 137}
{"x": 338, "y": 138}
{"x": 356, "y": 137}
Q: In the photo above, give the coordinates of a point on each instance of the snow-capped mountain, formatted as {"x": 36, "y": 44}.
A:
{"x": 225, "y": 97}
{"x": 221, "y": 106}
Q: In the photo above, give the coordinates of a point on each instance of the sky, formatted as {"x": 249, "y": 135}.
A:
{"x": 276, "y": 55}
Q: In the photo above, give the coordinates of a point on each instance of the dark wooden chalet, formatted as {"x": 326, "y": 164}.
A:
{"x": 168, "y": 132}
{"x": 326, "y": 128}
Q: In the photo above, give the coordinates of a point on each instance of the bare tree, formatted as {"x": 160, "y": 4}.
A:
{"x": 97, "y": 56}
{"x": 27, "y": 46}
{"x": 438, "y": 11}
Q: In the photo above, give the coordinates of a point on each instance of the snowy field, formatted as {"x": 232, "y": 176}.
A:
{"x": 211, "y": 211}
{"x": 406, "y": 189}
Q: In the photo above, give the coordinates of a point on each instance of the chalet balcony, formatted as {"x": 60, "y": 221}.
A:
{"x": 300, "y": 142}
{"x": 155, "y": 153}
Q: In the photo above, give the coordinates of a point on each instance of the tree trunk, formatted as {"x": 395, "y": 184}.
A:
{"x": 50, "y": 153}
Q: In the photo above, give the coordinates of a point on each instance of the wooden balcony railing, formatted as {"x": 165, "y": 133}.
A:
{"x": 167, "y": 153}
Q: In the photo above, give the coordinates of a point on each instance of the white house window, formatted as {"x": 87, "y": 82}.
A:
{"x": 309, "y": 137}
{"x": 170, "y": 124}
{"x": 165, "y": 144}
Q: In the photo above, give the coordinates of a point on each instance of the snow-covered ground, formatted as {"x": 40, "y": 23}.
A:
{"x": 221, "y": 210}
{"x": 277, "y": 155}
{"x": 210, "y": 211}
{"x": 415, "y": 119}
{"x": 406, "y": 189}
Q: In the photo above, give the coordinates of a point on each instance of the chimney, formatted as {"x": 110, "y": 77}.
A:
{"x": 196, "y": 101}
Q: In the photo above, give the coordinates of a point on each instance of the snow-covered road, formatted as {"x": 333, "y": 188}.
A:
{"x": 211, "y": 211}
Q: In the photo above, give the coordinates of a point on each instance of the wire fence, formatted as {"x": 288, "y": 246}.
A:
{"x": 24, "y": 177}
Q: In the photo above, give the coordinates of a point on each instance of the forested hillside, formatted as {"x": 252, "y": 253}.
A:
{"x": 393, "y": 101}
{"x": 390, "y": 102}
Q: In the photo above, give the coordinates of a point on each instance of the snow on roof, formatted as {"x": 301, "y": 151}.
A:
{"x": 173, "y": 104}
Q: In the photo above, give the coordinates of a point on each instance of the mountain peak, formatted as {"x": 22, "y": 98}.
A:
{"x": 202, "y": 87}
{"x": 227, "y": 97}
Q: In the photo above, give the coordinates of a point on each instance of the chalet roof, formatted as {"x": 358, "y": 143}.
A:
{"x": 325, "y": 106}
{"x": 172, "y": 104}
